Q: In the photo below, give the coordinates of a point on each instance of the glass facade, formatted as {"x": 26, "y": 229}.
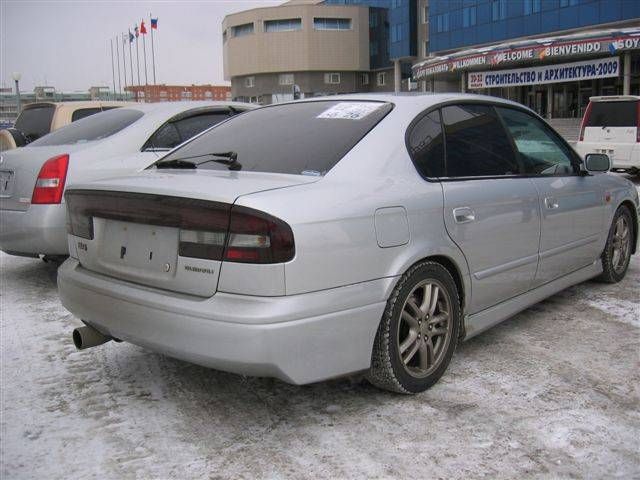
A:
{"x": 401, "y": 23}
{"x": 462, "y": 23}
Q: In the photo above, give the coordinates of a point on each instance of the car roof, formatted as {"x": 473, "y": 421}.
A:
{"x": 615, "y": 98}
{"x": 177, "y": 107}
{"x": 415, "y": 102}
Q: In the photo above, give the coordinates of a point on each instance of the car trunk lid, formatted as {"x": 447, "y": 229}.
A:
{"x": 162, "y": 229}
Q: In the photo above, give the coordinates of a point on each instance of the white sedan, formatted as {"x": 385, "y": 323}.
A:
{"x": 116, "y": 142}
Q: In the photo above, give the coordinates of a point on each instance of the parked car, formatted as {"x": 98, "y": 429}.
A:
{"x": 313, "y": 239}
{"x": 38, "y": 119}
{"x": 611, "y": 125}
{"x": 33, "y": 178}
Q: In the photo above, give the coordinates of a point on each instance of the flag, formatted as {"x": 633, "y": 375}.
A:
{"x": 124, "y": 38}
{"x": 154, "y": 23}
{"x": 136, "y": 31}
{"x": 131, "y": 37}
{"x": 143, "y": 29}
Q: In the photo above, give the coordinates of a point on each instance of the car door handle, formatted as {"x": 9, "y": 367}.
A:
{"x": 551, "y": 203}
{"x": 463, "y": 215}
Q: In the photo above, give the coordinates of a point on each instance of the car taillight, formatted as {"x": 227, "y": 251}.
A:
{"x": 51, "y": 179}
{"x": 256, "y": 237}
{"x": 252, "y": 237}
{"x": 585, "y": 120}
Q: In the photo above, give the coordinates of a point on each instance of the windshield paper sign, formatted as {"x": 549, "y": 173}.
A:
{"x": 587, "y": 70}
{"x": 351, "y": 110}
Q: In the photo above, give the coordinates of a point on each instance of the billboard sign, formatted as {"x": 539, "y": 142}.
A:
{"x": 565, "y": 72}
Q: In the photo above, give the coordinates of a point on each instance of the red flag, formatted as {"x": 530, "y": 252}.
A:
{"x": 143, "y": 29}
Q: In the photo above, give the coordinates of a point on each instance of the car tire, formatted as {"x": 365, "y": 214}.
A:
{"x": 617, "y": 251}
{"x": 417, "y": 335}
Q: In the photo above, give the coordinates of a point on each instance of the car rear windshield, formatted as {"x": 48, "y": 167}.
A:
{"x": 306, "y": 138}
{"x": 613, "y": 114}
{"x": 95, "y": 127}
{"x": 35, "y": 122}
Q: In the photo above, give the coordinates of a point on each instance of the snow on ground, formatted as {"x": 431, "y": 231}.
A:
{"x": 552, "y": 393}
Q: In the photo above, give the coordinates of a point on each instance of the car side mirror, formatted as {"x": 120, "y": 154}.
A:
{"x": 597, "y": 162}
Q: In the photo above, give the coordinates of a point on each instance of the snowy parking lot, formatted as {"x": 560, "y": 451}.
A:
{"x": 552, "y": 393}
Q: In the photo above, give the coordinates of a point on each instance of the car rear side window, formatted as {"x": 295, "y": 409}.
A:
{"x": 613, "y": 114}
{"x": 306, "y": 138}
{"x": 95, "y": 127}
{"x": 35, "y": 122}
{"x": 476, "y": 143}
{"x": 426, "y": 145}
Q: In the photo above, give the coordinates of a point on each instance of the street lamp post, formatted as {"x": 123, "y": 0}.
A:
{"x": 16, "y": 78}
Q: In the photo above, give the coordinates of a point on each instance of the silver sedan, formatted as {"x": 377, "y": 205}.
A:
{"x": 366, "y": 233}
{"x": 115, "y": 142}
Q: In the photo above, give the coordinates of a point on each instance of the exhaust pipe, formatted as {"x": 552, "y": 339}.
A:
{"x": 87, "y": 337}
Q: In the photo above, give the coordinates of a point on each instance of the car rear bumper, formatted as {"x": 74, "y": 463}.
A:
{"x": 299, "y": 338}
{"x": 39, "y": 230}
{"x": 623, "y": 156}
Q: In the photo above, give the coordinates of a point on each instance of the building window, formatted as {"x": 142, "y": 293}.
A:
{"x": 285, "y": 79}
{"x": 468, "y": 16}
{"x": 442, "y": 22}
{"x": 425, "y": 14}
{"x": 250, "y": 82}
{"x": 332, "y": 23}
{"x": 208, "y": 94}
{"x": 382, "y": 79}
{"x": 373, "y": 19}
{"x": 332, "y": 78}
{"x": 396, "y": 3}
{"x": 242, "y": 30}
{"x": 364, "y": 78}
{"x": 373, "y": 49}
{"x": 568, "y": 3}
{"x": 425, "y": 48}
{"x": 499, "y": 10}
{"x": 397, "y": 32}
{"x": 186, "y": 95}
{"x": 284, "y": 25}
{"x": 531, "y": 6}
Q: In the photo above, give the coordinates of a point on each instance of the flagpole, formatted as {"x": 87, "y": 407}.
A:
{"x": 153, "y": 54}
{"x": 124, "y": 65}
{"x": 138, "y": 56}
{"x": 118, "y": 64}
{"x": 113, "y": 71}
{"x": 144, "y": 53}
{"x": 130, "y": 57}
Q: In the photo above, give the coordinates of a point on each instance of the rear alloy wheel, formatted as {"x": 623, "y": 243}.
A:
{"x": 418, "y": 332}
{"x": 617, "y": 251}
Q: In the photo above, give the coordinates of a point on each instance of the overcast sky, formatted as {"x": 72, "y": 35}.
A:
{"x": 66, "y": 43}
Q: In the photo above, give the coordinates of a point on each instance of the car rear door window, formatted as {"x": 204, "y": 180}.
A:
{"x": 165, "y": 138}
{"x": 476, "y": 143}
{"x": 613, "y": 114}
{"x": 193, "y": 125}
{"x": 181, "y": 129}
{"x": 540, "y": 151}
{"x": 95, "y": 127}
{"x": 426, "y": 145}
{"x": 35, "y": 122}
{"x": 311, "y": 137}
{"x": 84, "y": 112}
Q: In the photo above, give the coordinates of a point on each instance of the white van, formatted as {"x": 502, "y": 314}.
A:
{"x": 611, "y": 125}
